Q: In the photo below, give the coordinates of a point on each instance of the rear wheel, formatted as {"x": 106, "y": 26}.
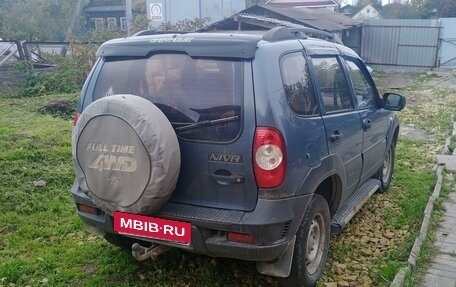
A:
{"x": 312, "y": 243}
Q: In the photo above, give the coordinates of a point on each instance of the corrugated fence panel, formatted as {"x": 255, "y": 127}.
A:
{"x": 418, "y": 46}
{"x": 400, "y": 45}
{"x": 379, "y": 45}
{"x": 447, "y": 53}
{"x": 424, "y": 57}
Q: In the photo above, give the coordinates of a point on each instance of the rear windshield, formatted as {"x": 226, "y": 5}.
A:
{"x": 200, "y": 96}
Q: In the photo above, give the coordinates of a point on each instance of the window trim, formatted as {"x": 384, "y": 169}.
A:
{"x": 123, "y": 24}
{"x": 108, "y": 24}
{"x": 96, "y": 27}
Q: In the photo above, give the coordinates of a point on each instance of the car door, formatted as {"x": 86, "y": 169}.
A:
{"x": 374, "y": 120}
{"x": 341, "y": 120}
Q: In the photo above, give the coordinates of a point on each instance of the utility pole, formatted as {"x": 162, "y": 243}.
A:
{"x": 128, "y": 16}
{"x": 73, "y": 20}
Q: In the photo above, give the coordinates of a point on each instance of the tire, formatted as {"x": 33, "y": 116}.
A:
{"x": 312, "y": 243}
{"x": 385, "y": 173}
{"x": 126, "y": 155}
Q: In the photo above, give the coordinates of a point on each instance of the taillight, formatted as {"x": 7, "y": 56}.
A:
{"x": 269, "y": 157}
{"x": 76, "y": 118}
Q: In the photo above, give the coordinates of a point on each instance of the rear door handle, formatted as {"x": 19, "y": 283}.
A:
{"x": 226, "y": 179}
{"x": 335, "y": 137}
{"x": 367, "y": 124}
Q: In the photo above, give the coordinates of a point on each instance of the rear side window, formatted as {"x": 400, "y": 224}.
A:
{"x": 298, "y": 84}
{"x": 333, "y": 86}
{"x": 200, "y": 96}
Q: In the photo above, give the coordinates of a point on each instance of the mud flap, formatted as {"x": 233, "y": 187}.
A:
{"x": 281, "y": 267}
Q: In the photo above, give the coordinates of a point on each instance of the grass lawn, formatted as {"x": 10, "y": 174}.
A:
{"x": 43, "y": 242}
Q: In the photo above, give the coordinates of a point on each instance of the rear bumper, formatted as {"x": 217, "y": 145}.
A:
{"x": 272, "y": 224}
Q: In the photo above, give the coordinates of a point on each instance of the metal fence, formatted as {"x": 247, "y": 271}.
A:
{"x": 401, "y": 45}
{"x": 38, "y": 53}
{"x": 447, "y": 51}
{"x": 10, "y": 51}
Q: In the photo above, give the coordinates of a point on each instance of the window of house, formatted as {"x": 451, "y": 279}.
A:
{"x": 98, "y": 23}
{"x": 298, "y": 84}
{"x": 333, "y": 86}
{"x": 123, "y": 24}
{"x": 112, "y": 24}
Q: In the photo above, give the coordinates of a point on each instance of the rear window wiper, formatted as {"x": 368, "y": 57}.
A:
{"x": 207, "y": 123}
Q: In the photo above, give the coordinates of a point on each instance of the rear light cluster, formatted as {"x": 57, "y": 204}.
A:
{"x": 76, "y": 118}
{"x": 269, "y": 163}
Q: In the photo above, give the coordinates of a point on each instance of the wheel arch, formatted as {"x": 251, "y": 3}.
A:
{"x": 331, "y": 190}
{"x": 327, "y": 180}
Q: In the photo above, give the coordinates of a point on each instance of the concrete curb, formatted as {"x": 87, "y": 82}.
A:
{"x": 414, "y": 253}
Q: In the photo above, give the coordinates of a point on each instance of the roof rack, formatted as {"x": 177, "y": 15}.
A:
{"x": 286, "y": 33}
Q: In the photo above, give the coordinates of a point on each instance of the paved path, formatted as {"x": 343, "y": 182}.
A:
{"x": 446, "y": 79}
{"x": 442, "y": 272}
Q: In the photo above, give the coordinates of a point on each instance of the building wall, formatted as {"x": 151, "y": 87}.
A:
{"x": 368, "y": 12}
{"x": 178, "y": 10}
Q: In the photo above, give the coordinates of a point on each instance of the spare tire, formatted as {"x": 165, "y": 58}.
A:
{"x": 126, "y": 154}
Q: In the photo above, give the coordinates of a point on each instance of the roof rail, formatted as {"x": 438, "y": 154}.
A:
{"x": 285, "y": 33}
{"x": 156, "y": 32}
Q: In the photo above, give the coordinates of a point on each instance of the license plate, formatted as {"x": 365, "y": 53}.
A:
{"x": 152, "y": 227}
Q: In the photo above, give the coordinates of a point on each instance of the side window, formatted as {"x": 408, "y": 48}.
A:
{"x": 333, "y": 86}
{"x": 298, "y": 84}
{"x": 364, "y": 91}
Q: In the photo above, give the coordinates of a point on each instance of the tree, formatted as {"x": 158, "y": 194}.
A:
{"x": 186, "y": 25}
{"x": 447, "y": 8}
{"x": 376, "y": 3}
{"x": 37, "y": 20}
{"x": 400, "y": 11}
{"x": 249, "y": 3}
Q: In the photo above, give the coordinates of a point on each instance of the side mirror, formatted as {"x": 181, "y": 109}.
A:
{"x": 393, "y": 102}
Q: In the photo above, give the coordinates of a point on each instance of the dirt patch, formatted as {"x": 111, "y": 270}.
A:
{"x": 60, "y": 108}
{"x": 415, "y": 133}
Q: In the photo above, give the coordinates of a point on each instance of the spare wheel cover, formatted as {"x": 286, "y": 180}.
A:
{"x": 126, "y": 154}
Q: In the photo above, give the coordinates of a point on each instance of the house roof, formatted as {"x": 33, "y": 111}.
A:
{"x": 347, "y": 6}
{"x": 267, "y": 17}
{"x": 362, "y": 8}
{"x": 302, "y": 3}
{"x": 104, "y": 9}
{"x": 104, "y": 6}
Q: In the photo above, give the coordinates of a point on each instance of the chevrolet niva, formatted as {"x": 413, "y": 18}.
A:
{"x": 253, "y": 146}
